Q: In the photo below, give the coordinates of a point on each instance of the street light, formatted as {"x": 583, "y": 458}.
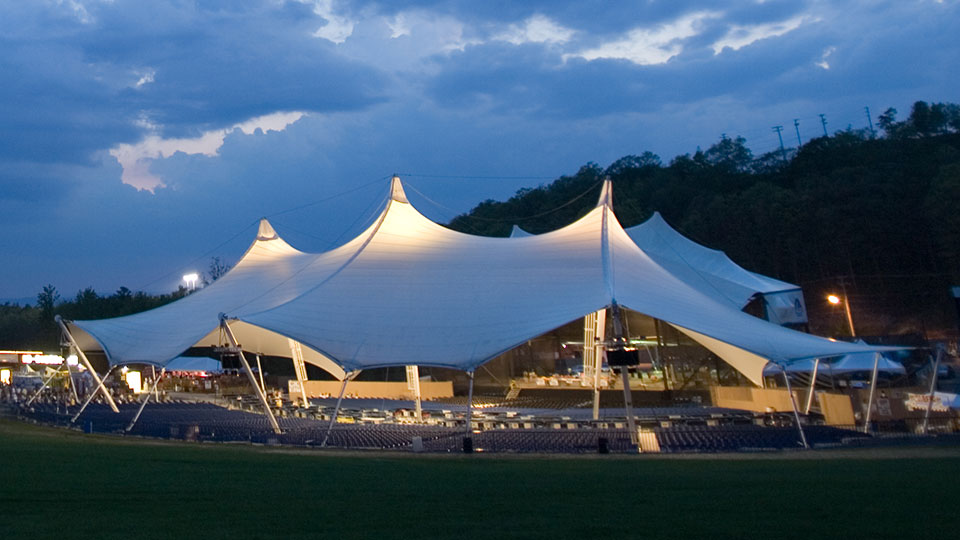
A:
{"x": 834, "y": 299}
{"x": 191, "y": 280}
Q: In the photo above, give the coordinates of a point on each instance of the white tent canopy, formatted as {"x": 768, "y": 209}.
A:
{"x": 713, "y": 273}
{"x": 269, "y": 273}
{"x": 408, "y": 291}
{"x": 848, "y": 363}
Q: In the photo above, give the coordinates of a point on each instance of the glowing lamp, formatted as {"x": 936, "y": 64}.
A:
{"x": 191, "y": 280}
{"x": 833, "y": 299}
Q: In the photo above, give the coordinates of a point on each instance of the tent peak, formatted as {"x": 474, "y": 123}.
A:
{"x": 266, "y": 231}
{"x": 517, "y": 232}
{"x": 606, "y": 194}
{"x": 396, "y": 190}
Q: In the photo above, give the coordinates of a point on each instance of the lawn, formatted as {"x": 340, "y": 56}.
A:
{"x": 60, "y": 484}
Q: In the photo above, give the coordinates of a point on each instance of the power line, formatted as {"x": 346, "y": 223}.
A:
{"x": 511, "y": 219}
{"x": 471, "y": 177}
{"x": 206, "y": 254}
{"x": 330, "y": 198}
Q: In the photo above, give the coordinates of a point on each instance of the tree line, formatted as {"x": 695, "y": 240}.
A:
{"x": 872, "y": 211}
{"x": 30, "y": 327}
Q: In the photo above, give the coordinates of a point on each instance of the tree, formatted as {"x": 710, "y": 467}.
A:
{"x": 46, "y": 301}
{"x": 731, "y": 155}
{"x": 940, "y": 206}
{"x": 647, "y": 159}
{"x": 217, "y": 268}
{"x": 888, "y": 122}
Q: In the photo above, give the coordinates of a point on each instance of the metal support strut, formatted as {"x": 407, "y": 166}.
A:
{"x": 86, "y": 362}
{"x": 933, "y": 389}
{"x": 620, "y": 341}
{"x": 469, "y": 416}
{"x": 90, "y": 397}
{"x": 146, "y": 398}
{"x": 813, "y": 386}
{"x": 796, "y": 414}
{"x": 873, "y": 389}
{"x": 336, "y": 410}
{"x": 46, "y": 382}
{"x": 246, "y": 366}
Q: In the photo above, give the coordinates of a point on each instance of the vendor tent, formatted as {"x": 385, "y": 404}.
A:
{"x": 847, "y": 363}
{"x": 194, "y": 363}
{"x": 408, "y": 291}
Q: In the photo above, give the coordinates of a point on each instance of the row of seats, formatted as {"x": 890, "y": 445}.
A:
{"x": 207, "y": 421}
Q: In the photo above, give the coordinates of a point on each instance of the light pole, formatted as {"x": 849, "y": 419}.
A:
{"x": 834, "y": 299}
{"x": 191, "y": 280}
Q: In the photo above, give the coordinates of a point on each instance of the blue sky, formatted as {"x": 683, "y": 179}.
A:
{"x": 138, "y": 139}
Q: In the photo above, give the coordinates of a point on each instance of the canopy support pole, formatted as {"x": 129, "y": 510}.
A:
{"x": 263, "y": 385}
{"x": 873, "y": 388}
{"x": 933, "y": 389}
{"x": 156, "y": 392}
{"x": 45, "y": 383}
{"x": 90, "y": 397}
{"x": 628, "y": 407}
{"x": 73, "y": 383}
{"x": 594, "y": 334}
{"x": 813, "y": 386}
{"x": 620, "y": 340}
{"x": 413, "y": 383}
{"x": 660, "y": 357}
{"x": 146, "y": 398}
{"x": 296, "y": 351}
{"x": 469, "y": 416}
{"x": 796, "y": 414}
{"x": 246, "y": 366}
{"x": 336, "y": 410}
{"x": 87, "y": 364}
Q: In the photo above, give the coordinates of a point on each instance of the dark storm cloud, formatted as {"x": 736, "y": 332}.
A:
{"x": 76, "y": 82}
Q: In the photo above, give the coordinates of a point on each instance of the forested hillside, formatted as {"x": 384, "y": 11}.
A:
{"x": 877, "y": 211}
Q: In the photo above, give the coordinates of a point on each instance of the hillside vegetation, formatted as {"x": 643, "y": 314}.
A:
{"x": 876, "y": 211}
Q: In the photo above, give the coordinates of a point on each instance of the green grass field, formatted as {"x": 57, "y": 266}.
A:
{"x": 60, "y": 484}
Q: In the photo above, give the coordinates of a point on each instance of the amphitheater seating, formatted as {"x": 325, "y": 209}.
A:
{"x": 678, "y": 429}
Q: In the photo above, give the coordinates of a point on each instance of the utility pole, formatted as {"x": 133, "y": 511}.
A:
{"x": 846, "y": 305}
{"x": 823, "y": 120}
{"x": 779, "y": 130}
{"x": 796, "y": 125}
{"x": 870, "y": 122}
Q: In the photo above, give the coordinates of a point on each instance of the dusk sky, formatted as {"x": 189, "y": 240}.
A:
{"x": 139, "y": 139}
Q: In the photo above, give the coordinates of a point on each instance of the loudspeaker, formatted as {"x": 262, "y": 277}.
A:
{"x": 623, "y": 357}
{"x": 603, "y": 446}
